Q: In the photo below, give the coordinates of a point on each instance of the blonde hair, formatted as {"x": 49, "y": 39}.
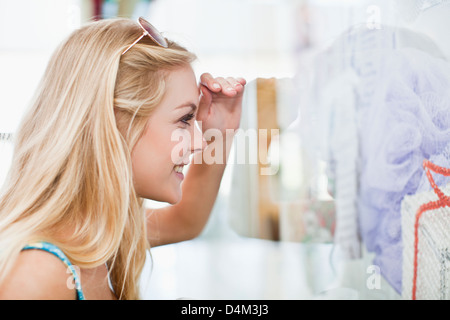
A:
{"x": 71, "y": 181}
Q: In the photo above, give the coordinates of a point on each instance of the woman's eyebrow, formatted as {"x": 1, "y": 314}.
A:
{"x": 188, "y": 104}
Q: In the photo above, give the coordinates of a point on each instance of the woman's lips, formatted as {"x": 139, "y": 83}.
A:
{"x": 179, "y": 171}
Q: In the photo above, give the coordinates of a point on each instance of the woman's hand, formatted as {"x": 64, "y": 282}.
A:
{"x": 220, "y": 104}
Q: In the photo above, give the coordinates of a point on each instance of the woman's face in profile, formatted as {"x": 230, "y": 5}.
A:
{"x": 170, "y": 137}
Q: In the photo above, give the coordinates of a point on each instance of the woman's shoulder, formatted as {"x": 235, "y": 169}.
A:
{"x": 37, "y": 274}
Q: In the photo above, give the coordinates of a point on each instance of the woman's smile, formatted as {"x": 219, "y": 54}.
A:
{"x": 179, "y": 171}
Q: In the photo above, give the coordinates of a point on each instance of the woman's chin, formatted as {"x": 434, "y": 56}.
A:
{"x": 173, "y": 198}
{"x": 169, "y": 197}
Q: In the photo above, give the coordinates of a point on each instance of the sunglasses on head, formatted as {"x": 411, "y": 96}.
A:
{"x": 150, "y": 31}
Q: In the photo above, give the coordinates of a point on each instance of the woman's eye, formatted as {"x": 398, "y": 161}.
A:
{"x": 187, "y": 118}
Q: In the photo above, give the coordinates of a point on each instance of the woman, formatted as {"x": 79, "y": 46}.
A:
{"x": 98, "y": 139}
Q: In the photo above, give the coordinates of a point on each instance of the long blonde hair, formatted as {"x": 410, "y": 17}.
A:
{"x": 71, "y": 180}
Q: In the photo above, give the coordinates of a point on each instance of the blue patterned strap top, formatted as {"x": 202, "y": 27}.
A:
{"x": 51, "y": 248}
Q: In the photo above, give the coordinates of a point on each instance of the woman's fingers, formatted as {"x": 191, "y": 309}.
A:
{"x": 229, "y": 86}
{"x": 208, "y": 81}
{"x": 242, "y": 81}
